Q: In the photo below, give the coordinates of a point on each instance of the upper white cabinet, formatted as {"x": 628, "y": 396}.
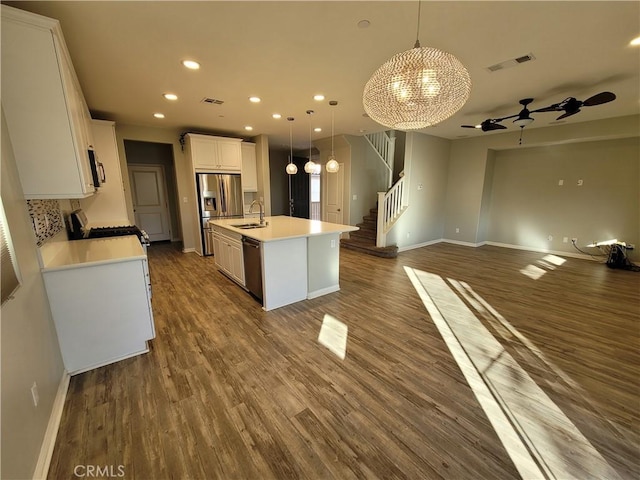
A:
{"x": 215, "y": 153}
{"x": 108, "y": 206}
{"x": 249, "y": 171}
{"x": 46, "y": 114}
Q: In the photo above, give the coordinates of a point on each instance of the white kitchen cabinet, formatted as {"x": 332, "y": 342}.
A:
{"x": 249, "y": 170}
{"x": 108, "y": 206}
{"x": 100, "y": 298}
{"x": 214, "y": 153}
{"x": 227, "y": 249}
{"x": 45, "y": 111}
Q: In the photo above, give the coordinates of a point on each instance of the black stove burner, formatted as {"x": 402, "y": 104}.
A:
{"x": 102, "y": 232}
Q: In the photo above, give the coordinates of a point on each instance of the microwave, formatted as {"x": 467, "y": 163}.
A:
{"x": 97, "y": 169}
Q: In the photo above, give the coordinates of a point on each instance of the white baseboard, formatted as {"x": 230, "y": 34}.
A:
{"x": 542, "y": 250}
{"x": 322, "y": 291}
{"x": 419, "y": 245}
{"x": 464, "y": 244}
{"x": 501, "y": 245}
{"x": 49, "y": 441}
{"x": 188, "y": 250}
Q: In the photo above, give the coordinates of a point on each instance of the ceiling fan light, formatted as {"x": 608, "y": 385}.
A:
{"x": 416, "y": 88}
{"x": 522, "y": 122}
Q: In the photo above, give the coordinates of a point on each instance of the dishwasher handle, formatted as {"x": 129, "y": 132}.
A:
{"x": 250, "y": 242}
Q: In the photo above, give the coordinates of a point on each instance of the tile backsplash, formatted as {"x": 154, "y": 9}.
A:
{"x": 46, "y": 218}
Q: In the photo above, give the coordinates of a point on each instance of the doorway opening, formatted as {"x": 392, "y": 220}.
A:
{"x": 153, "y": 182}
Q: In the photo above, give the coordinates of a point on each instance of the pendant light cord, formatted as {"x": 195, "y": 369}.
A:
{"x": 417, "y": 44}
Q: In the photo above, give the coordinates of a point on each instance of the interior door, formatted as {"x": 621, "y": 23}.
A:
{"x": 148, "y": 194}
{"x": 334, "y": 196}
{"x": 300, "y": 186}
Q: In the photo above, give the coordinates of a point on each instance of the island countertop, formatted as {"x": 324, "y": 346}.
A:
{"x": 282, "y": 227}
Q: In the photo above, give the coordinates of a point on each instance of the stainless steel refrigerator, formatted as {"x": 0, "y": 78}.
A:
{"x": 219, "y": 196}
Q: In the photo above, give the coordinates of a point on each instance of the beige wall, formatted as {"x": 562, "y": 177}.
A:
{"x": 468, "y": 166}
{"x": 527, "y": 205}
{"x": 187, "y": 200}
{"x": 426, "y": 168}
{"x": 30, "y": 351}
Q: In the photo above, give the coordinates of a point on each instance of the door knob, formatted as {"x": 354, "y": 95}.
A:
{"x": 338, "y": 210}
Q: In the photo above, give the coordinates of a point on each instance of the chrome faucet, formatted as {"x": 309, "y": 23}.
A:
{"x": 261, "y": 210}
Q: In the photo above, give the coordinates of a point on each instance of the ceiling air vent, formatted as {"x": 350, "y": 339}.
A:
{"x": 212, "y": 101}
{"x": 511, "y": 63}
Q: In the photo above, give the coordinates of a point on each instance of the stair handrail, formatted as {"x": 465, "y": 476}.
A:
{"x": 391, "y": 204}
{"x": 384, "y": 145}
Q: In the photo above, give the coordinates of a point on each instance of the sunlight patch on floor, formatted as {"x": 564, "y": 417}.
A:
{"x": 333, "y": 335}
{"x": 540, "y": 439}
{"x": 547, "y": 263}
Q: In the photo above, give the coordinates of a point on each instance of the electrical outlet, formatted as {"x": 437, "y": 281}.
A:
{"x": 333, "y": 244}
{"x": 457, "y": 230}
{"x": 34, "y": 394}
{"x": 565, "y": 239}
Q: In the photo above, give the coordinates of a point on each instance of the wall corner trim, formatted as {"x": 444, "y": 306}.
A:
{"x": 49, "y": 441}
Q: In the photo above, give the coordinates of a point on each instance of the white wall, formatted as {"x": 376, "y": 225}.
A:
{"x": 30, "y": 351}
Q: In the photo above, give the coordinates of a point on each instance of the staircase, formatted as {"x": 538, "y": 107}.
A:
{"x": 364, "y": 240}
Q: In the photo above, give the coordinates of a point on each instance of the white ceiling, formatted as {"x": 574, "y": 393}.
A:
{"x": 127, "y": 54}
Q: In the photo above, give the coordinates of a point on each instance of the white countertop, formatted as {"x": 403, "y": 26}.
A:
{"x": 81, "y": 253}
{"x": 282, "y": 227}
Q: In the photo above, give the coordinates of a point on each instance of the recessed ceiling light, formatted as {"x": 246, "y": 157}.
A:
{"x": 635, "y": 42}
{"x": 170, "y": 96}
{"x": 364, "y": 24}
{"x": 318, "y": 98}
{"x": 158, "y": 115}
{"x": 317, "y": 129}
{"x": 191, "y": 64}
{"x": 248, "y": 128}
{"x": 255, "y": 99}
{"x": 276, "y": 116}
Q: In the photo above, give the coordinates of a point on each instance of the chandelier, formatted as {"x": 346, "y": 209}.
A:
{"x": 416, "y": 88}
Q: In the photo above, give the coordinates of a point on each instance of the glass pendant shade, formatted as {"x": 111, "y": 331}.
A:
{"x": 416, "y": 89}
{"x": 332, "y": 165}
{"x": 309, "y": 167}
{"x": 292, "y": 169}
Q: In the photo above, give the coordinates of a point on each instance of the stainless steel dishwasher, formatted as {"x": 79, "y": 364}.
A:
{"x": 251, "y": 250}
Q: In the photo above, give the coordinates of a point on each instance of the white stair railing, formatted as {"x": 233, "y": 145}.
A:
{"x": 384, "y": 144}
{"x": 391, "y": 204}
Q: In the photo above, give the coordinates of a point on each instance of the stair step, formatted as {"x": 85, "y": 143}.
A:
{"x": 371, "y": 218}
{"x": 367, "y": 226}
{"x": 383, "y": 252}
{"x": 364, "y": 235}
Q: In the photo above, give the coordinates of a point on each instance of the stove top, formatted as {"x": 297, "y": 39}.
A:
{"x": 100, "y": 232}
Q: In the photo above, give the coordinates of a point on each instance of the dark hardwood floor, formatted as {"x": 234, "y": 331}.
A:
{"x": 229, "y": 391}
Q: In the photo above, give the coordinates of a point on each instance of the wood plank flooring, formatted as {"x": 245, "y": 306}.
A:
{"x": 229, "y": 391}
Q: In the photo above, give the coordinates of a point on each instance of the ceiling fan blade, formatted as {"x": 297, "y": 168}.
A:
{"x": 492, "y": 126}
{"x": 599, "y": 99}
{"x": 551, "y": 108}
{"x": 468, "y": 126}
{"x": 567, "y": 114}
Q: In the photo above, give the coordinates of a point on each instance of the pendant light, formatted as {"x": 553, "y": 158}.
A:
{"x": 416, "y": 88}
{"x": 310, "y": 166}
{"x": 332, "y": 165}
{"x": 291, "y": 167}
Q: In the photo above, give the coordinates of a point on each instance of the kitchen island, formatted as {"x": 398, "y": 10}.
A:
{"x": 300, "y": 258}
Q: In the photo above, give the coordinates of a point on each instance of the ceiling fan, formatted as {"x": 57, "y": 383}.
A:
{"x": 570, "y": 106}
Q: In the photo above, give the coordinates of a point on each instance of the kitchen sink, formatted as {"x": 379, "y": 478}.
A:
{"x": 246, "y": 226}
